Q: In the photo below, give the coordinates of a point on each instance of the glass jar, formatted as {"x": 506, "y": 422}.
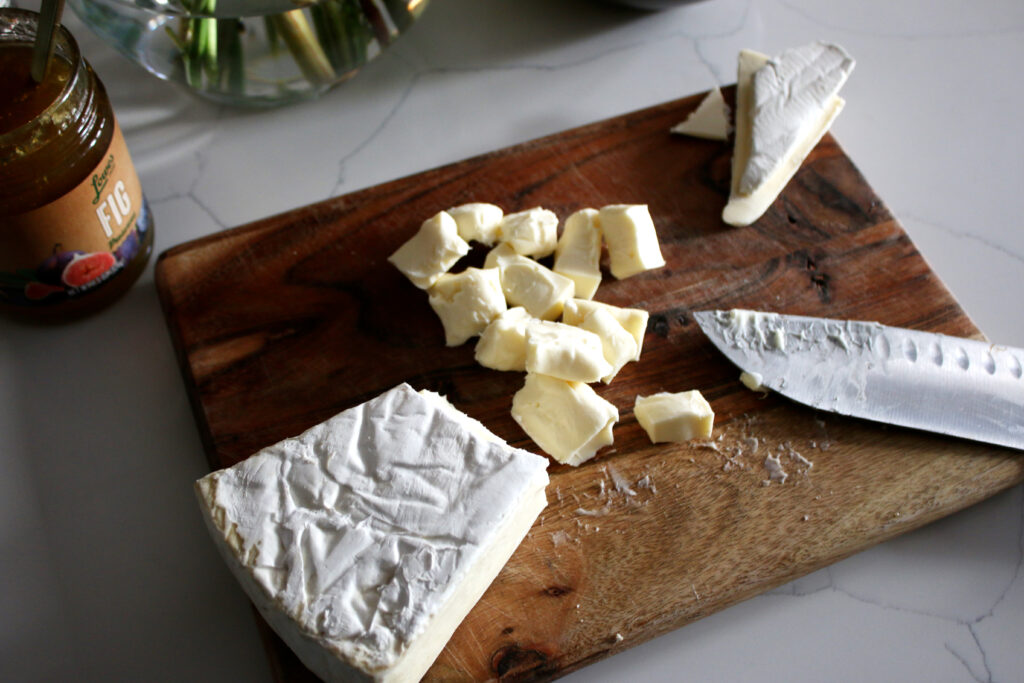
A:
{"x": 75, "y": 228}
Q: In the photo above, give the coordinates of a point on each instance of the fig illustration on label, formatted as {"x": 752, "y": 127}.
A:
{"x": 65, "y": 274}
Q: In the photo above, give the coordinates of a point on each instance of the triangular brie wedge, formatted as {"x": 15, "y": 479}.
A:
{"x": 784, "y": 105}
{"x": 710, "y": 120}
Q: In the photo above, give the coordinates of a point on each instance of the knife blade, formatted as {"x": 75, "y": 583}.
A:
{"x": 959, "y": 387}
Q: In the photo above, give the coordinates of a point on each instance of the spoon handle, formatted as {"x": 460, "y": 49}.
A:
{"x": 49, "y": 19}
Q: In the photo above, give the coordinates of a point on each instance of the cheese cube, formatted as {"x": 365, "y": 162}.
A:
{"x": 533, "y": 232}
{"x": 502, "y": 345}
{"x": 617, "y": 343}
{"x": 431, "y": 252}
{"x": 631, "y": 238}
{"x": 633, "y": 319}
{"x": 502, "y": 255}
{"x": 478, "y": 221}
{"x": 578, "y": 254}
{"x": 674, "y": 417}
{"x": 538, "y": 289}
{"x": 467, "y": 302}
{"x": 564, "y": 351}
{"x": 366, "y": 540}
{"x": 568, "y": 420}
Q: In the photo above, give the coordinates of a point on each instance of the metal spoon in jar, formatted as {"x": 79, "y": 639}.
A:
{"x": 42, "y": 52}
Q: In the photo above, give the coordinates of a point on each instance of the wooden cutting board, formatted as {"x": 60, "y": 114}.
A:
{"x": 281, "y": 323}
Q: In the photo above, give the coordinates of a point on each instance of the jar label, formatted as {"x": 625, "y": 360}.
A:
{"x": 79, "y": 241}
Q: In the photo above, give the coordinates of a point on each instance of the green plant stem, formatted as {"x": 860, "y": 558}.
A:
{"x": 297, "y": 34}
{"x": 230, "y": 65}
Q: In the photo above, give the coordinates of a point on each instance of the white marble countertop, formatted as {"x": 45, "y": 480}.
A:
{"x": 107, "y": 573}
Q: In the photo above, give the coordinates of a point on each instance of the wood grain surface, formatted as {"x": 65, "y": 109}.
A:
{"x": 284, "y": 322}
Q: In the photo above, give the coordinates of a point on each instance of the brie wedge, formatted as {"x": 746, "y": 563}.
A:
{"x": 784, "y": 105}
{"x": 710, "y": 120}
{"x": 367, "y": 539}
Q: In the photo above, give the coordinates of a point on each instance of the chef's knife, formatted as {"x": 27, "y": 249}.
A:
{"x": 960, "y": 387}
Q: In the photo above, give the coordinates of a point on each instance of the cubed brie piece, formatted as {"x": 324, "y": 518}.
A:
{"x": 633, "y": 319}
{"x": 564, "y": 351}
{"x": 467, "y": 302}
{"x": 538, "y": 289}
{"x": 366, "y": 540}
{"x": 568, "y": 420}
{"x": 502, "y": 345}
{"x": 674, "y": 417}
{"x": 631, "y": 238}
{"x": 502, "y": 255}
{"x": 431, "y": 252}
{"x": 477, "y": 221}
{"x": 784, "y": 105}
{"x": 578, "y": 254}
{"x": 533, "y": 232}
{"x": 710, "y": 120}
{"x": 617, "y": 343}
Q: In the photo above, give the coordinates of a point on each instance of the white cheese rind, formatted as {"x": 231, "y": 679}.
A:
{"x": 478, "y": 221}
{"x": 617, "y": 344}
{"x": 533, "y": 232}
{"x": 467, "y": 302}
{"x": 568, "y": 420}
{"x": 631, "y": 238}
{"x": 578, "y": 254}
{"x": 674, "y": 417}
{"x": 633, "y": 319}
{"x": 366, "y": 540}
{"x": 564, "y": 351}
{"x": 784, "y": 106}
{"x": 710, "y": 120}
{"x": 431, "y": 252}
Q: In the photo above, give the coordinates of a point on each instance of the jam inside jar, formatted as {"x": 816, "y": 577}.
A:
{"x": 75, "y": 228}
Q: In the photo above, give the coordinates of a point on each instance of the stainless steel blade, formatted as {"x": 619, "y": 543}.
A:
{"x": 961, "y": 387}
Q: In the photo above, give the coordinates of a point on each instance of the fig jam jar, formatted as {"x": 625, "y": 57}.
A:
{"x": 75, "y": 228}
